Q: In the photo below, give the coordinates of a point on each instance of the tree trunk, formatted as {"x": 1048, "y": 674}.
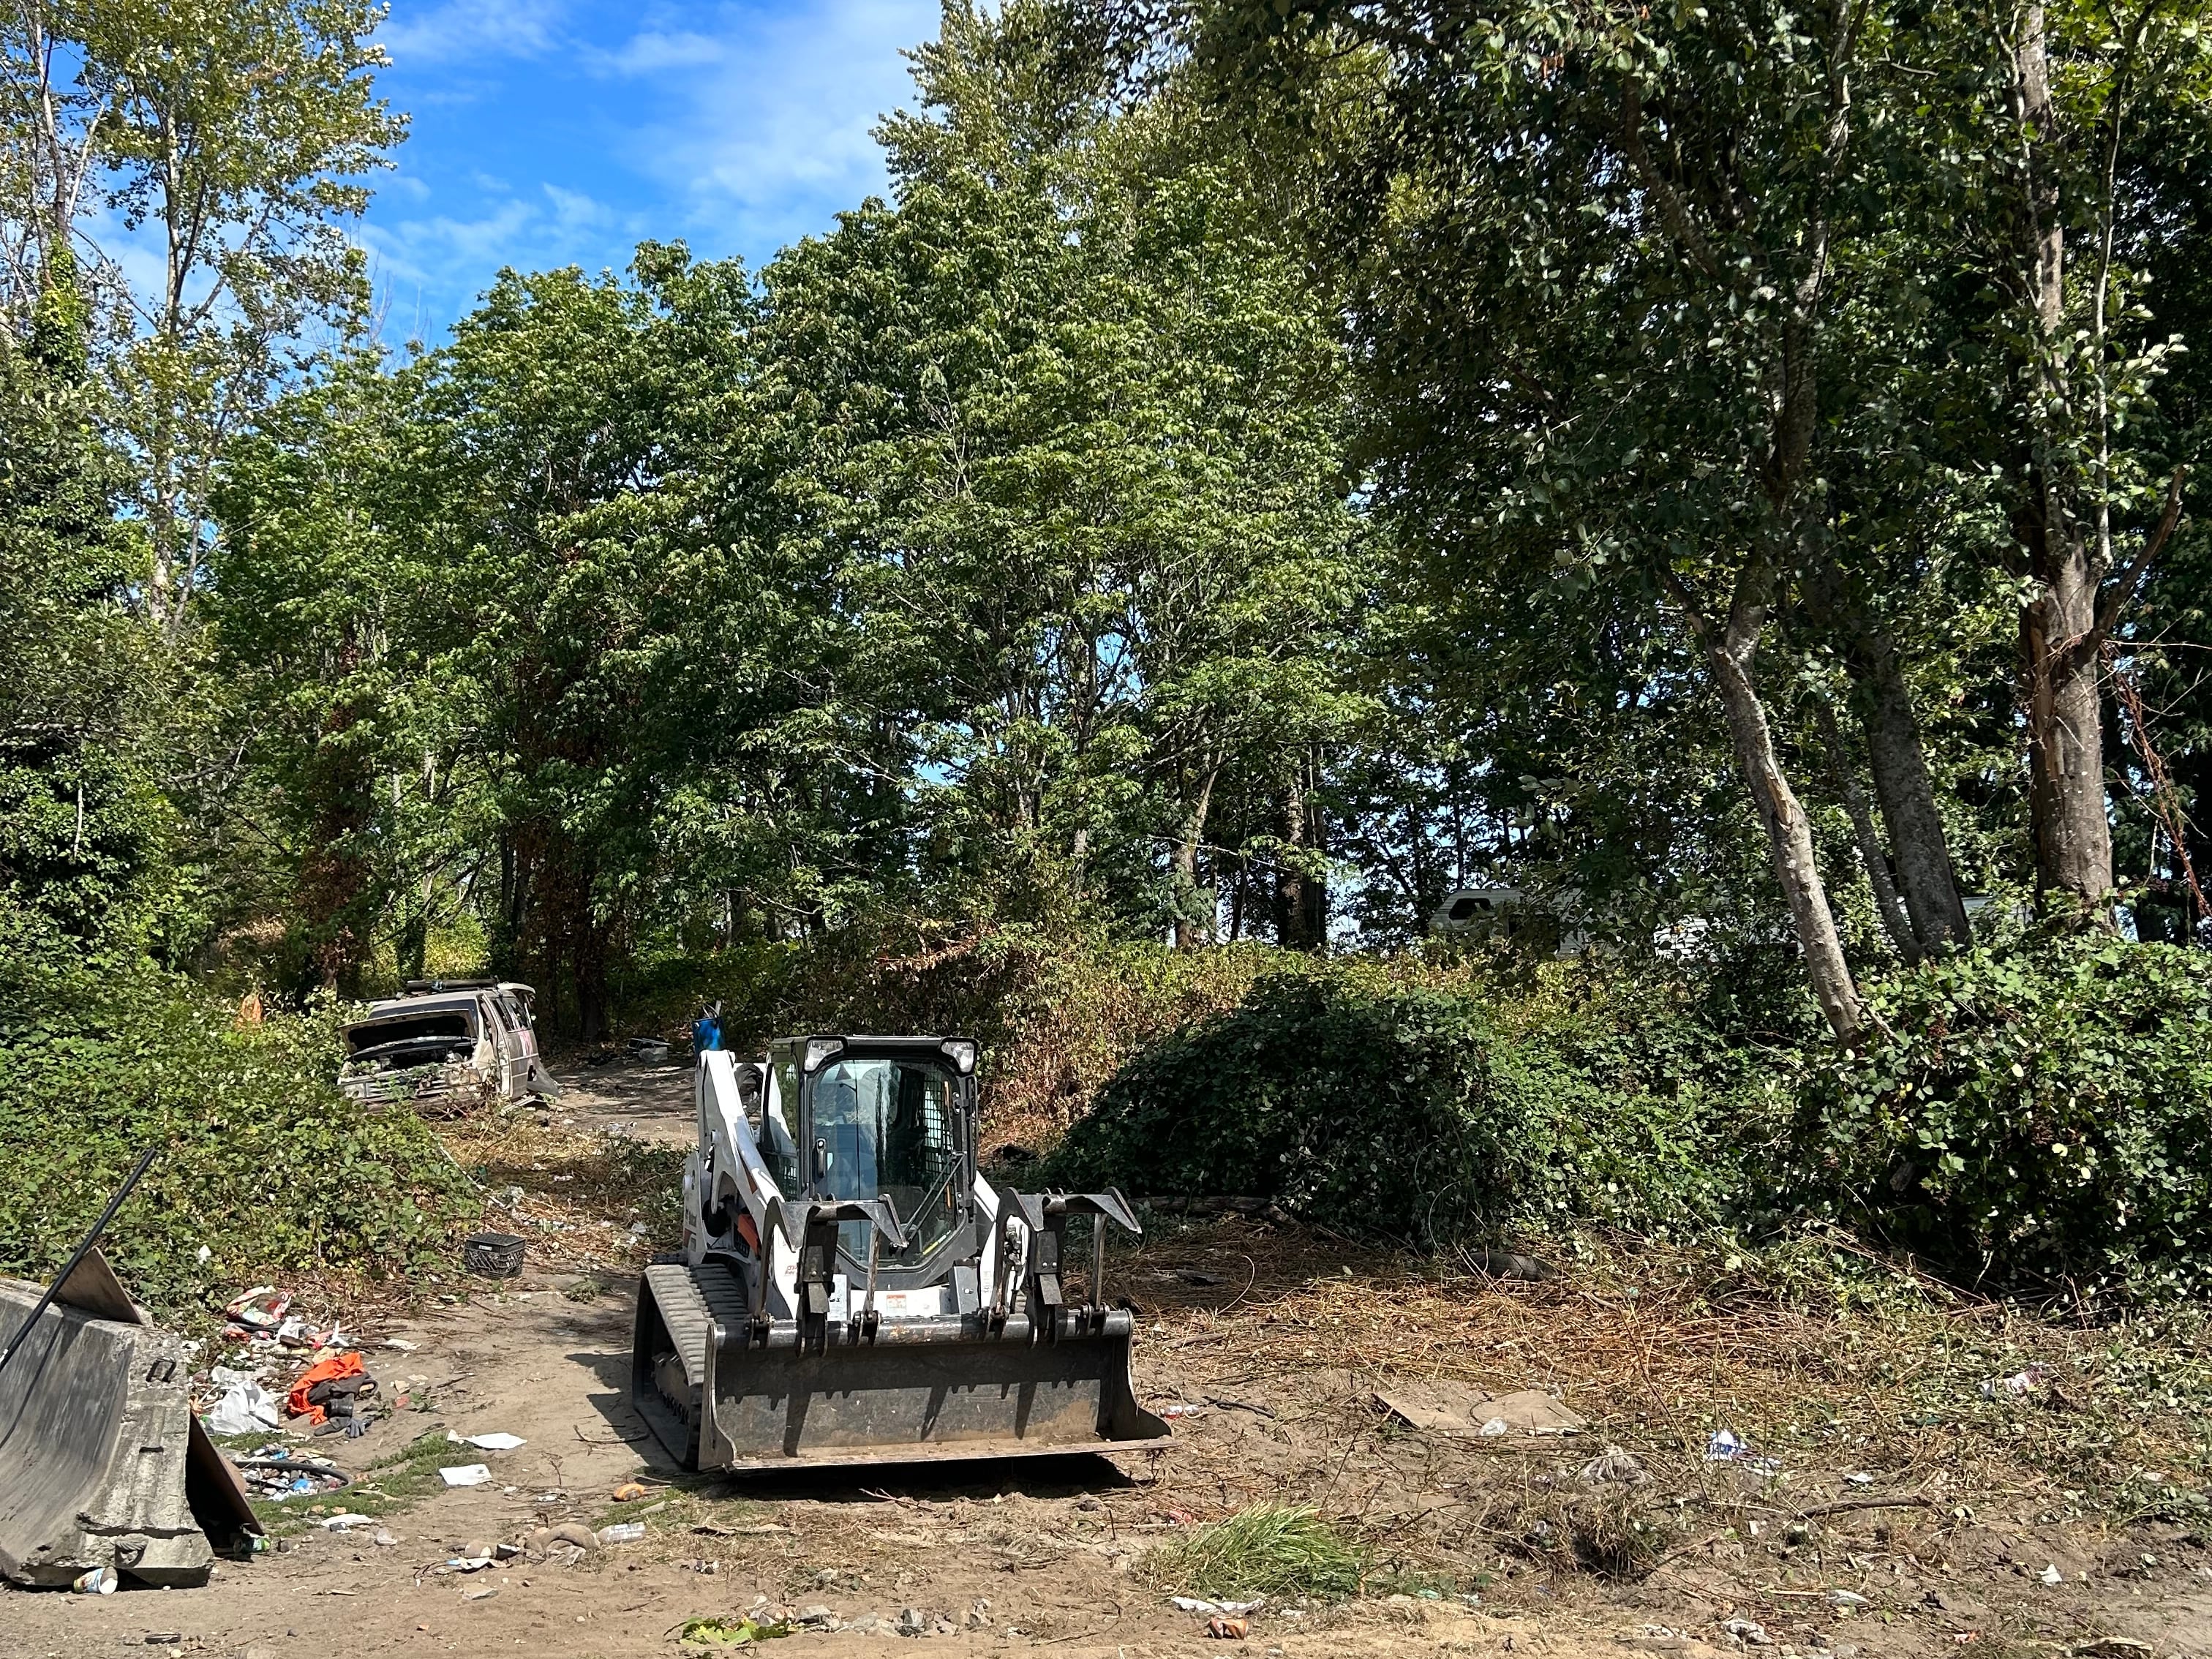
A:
{"x": 1301, "y": 895}
{"x": 1926, "y": 878}
{"x": 2065, "y": 744}
{"x": 591, "y": 966}
{"x": 1789, "y": 831}
{"x": 1887, "y": 903}
{"x": 2065, "y": 729}
{"x": 1896, "y": 758}
{"x": 1189, "y": 932}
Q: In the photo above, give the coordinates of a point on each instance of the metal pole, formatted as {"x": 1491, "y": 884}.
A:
{"x": 82, "y": 1251}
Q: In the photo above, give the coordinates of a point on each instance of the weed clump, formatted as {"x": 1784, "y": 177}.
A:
{"x": 1267, "y": 1550}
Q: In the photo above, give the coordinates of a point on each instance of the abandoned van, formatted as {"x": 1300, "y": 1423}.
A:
{"x": 445, "y": 1045}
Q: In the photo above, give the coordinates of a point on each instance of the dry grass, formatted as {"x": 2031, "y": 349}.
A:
{"x": 580, "y": 1193}
{"x": 1850, "y": 1371}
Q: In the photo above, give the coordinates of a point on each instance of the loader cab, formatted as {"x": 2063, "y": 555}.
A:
{"x": 883, "y": 1117}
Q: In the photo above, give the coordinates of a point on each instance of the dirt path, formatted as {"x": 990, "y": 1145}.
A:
{"x": 1268, "y": 1350}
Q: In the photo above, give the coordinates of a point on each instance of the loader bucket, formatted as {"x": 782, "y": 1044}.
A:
{"x": 719, "y": 1397}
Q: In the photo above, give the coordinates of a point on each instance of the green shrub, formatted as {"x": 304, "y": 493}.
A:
{"x": 2042, "y": 1116}
{"x": 1427, "y": 1113}
{"x": 263, "y": 1162}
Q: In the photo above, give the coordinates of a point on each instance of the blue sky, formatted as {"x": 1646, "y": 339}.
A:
{"x": 551, "y": 132}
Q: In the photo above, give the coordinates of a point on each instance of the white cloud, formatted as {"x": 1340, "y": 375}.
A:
{"x": 551, "y": 132}
{"x": 472, "y": 28}
{"x": 770, "y": 131}
{"x": 563, "y": 227}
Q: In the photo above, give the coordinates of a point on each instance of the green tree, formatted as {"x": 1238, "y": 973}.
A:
{"x": 1069, "y": 423}
{"x": 237, "y": 131}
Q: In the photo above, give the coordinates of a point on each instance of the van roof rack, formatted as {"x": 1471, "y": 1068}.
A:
{"x": 451, "y": 985}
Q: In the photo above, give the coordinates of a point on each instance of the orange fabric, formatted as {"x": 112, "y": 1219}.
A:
{"x": 323, "y": 1370}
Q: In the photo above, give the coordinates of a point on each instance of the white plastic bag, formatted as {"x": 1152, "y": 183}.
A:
{"x": 245, "y": 1408}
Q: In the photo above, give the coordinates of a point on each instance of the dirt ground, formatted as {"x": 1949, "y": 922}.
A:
{"x": 1859, "y": 1531}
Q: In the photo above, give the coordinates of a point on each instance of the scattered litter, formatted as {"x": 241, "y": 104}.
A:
{"x": 728, "y": 1632}
{"x": 1857, "y": 1479}
{"x": 336, "y": 1385}
{"x": 259, "y": 1309}
{"x": 629, "y": 1492}
{"x": 273, "y": 1473}
{"x": 622, "y": 1532}
{"x": 484, "y": 1594}
{"x": 464, "y": 1475}
{"x": 1749, "y": 1631}
{"x": 100, "y": 1581}
{"x": 2018, "y": 1386}
{"x": 2050, "y": 1575}
{"x": 401, "y": 1344}
{"x": 1844, "y": 1598}
{"x": 1183, "y": 1408}
{"x": 757, "y": 1529}
{"x": 500, "y": 1442}
{"x": 1445, "y": 1407}
{"x": 1232, "y": 1630}
{"x": 1615, "y": 1465}
{"x": 244, "y": 1408}
{"x": 1726, "y": 1447}
{"x": 345, "y": 1523}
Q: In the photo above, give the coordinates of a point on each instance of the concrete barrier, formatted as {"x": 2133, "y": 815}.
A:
{"x": 95, "y": 1436}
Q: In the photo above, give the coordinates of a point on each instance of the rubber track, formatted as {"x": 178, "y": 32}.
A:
{"x": 686, "y": 1297}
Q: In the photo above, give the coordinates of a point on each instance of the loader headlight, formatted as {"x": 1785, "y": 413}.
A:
{"x": 961, "y": 1052}
{"x": 820, "y": 1051}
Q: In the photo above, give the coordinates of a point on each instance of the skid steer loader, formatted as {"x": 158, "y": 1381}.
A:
{"x": 851, "y": 1290}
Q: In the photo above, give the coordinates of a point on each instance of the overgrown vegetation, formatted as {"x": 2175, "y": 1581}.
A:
{"x": 2031, "y": 1117}
{"x": 261, "y": 1161}
{"x": 1432, "y": 1113}
{"x": 2028, "y": 1121}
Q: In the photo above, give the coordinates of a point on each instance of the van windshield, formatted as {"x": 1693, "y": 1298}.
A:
{"x": 887, "y": 1130}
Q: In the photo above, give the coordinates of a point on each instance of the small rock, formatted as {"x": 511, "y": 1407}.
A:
{"x": 384, "y": 1539}
{"x": 910, "y": 1622}
{"x": 817, "y": 1616}
{"x": 1749, "y": 1632}
{"x": 943, "y": 1626}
